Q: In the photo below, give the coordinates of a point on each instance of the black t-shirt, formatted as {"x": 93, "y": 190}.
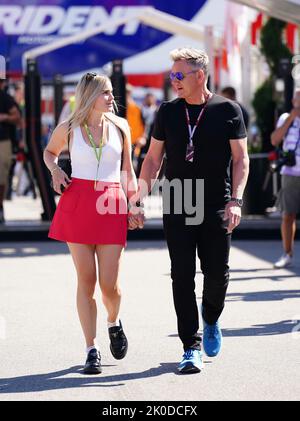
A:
{"x": 221, "y": 122}
{"x": 6, "y": 104}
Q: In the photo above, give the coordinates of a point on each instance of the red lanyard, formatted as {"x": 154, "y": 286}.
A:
{"x": 193, "y": 129}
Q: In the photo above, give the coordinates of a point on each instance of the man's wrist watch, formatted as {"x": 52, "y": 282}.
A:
{"x": 238, "y": 202}
{"x": 137, "y": 204}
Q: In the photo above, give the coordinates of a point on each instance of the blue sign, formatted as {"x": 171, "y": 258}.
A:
{"x": 26, "y": 24}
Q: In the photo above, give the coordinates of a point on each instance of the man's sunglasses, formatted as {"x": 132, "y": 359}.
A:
{"x": 180, "y": 75}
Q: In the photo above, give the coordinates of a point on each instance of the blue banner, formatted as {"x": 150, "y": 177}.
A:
{"x": 26, "y": 24}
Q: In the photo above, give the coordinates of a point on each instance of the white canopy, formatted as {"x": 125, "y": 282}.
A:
{"x": 286, "y": 10}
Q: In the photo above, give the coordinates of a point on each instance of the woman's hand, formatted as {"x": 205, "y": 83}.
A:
{"x": 59, "y": 178}
{"x": 136, "y": 218}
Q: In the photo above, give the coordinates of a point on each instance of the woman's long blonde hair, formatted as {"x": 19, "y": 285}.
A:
{"x": 88, "y": 89}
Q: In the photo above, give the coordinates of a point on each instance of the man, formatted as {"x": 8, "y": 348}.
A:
{"x": 230, "y": 93}
{"x": 288, "y": 131}
{"x": 9, "y": 115}
{"x": 210, "y": 128}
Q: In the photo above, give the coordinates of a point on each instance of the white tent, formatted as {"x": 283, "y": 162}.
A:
{"x": 287, "y": 10}
{"x": 156, "y": 59}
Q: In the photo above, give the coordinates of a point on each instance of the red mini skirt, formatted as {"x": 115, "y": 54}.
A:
{"x": 89, "y": 215}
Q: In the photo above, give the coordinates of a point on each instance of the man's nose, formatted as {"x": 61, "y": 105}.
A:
{"x": 176, "y": 83}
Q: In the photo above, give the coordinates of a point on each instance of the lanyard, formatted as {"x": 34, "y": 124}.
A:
{"x": 97, "y": 153}
{"x": 193, "y": 129}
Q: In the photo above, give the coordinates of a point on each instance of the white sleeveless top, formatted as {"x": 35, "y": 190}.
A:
{"x": 84, "y": 162}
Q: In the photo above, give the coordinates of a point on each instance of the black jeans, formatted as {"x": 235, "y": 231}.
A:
{"x": 212, "y": 243}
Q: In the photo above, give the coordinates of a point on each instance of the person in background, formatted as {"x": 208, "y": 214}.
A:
{"x": 288, "y": 132}
{"x": 9, "y": 116}
{"x": 148, "y": 112}
{"x": 16, "y": 136}
{"x": 136, "y": 123}
{"x": 230, "y": 93}
{"x": 67, "y": 109}
{"x": 149, "y": 109}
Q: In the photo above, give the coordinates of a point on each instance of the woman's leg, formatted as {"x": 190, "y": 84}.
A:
{"x": 109, "y": 263}
{"x": 84, "y": 259}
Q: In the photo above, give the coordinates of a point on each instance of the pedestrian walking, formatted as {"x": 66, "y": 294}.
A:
{"x": 230, "y": 93}
{"x": 92, "y": 216}
{"x": 137, "y": 126}
{"x": 9, "y": 118}
{"x": 288, "y": 132}
{"x": 201, "y": 133}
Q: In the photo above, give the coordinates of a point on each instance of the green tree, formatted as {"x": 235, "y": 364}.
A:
{"x": 264, "y": 102}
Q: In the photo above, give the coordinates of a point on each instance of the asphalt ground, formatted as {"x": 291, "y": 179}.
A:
{"x": 42, "y": 346}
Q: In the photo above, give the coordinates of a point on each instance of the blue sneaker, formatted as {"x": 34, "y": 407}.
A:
{"x": 212, "y": 339}
{"x": 192, "y": 362}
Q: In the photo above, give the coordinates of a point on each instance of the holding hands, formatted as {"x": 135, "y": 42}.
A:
{"x": 136, "y": 216}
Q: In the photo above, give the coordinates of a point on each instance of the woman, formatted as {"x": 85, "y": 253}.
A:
{"x": 91, "y": 216}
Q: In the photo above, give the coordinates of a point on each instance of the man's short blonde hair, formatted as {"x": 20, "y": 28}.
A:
{"x": 195, "y": 58}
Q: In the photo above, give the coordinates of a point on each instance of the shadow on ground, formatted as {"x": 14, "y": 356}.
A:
{"x": 276, "y": 295}
{"x": 279, "y": 328}
{"x": 57, "y": 380}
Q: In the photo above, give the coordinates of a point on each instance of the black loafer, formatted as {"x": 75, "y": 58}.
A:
{"x": 93, "y": 362}
{"x": 118, "y": 342}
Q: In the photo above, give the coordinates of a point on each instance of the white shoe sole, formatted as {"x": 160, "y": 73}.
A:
{"x": 288, "y": 265}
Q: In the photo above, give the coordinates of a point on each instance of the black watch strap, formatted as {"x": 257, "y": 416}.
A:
{"x": 239, "y": 202}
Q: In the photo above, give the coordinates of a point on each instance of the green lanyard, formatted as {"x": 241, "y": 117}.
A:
{"x": 97, "y": 153}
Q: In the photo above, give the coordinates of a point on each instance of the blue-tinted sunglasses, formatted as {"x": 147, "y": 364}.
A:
{"x": 180, "y": 75}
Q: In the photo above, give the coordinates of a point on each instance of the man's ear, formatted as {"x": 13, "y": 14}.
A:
{"x": 201, "y": 76}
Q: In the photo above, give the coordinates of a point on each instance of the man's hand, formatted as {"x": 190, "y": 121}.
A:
{"x": 233, "y": 214}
